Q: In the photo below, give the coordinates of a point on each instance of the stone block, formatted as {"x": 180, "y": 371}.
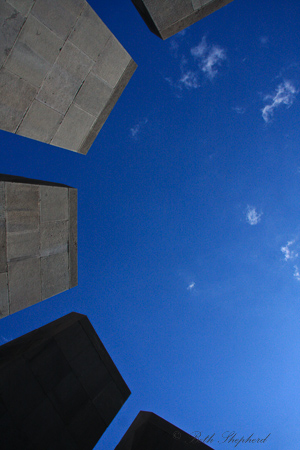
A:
{"x": 24, "y": 283}
{"x": 21, "y": 394}
{"x": 22, "y": 207}
{"x": 38, "y": 241}
{"x": 73, "y": 340}
{"x": 10, "y": 437}
{"x": 74, "y": 129}
{"x": 91, "y": 371}
{"x": 54, "y": 203}
{"x": 2, "y": 201}
{"x": 23, "y": 6}
{"x": 68, "y": 396}
{"x": 54, "y": 237}
{"x": 41, "y": 365}
{"x": 3, "y": 257}
{"x": 73, "y": 247}
{"x": 112, "y": 62}
{"x": 108, "y": 402}
{"x": 34, "y": 52}
{"x": 151, "y": 432}
{"x": 16, "y": 95}
{"x": 49, "y": 405}
{"x": 166, "y": 18}
{"x": 3, "y": 266}
{"x": 22, "y": 197}
{"x": 86, "y": 426}
{"x": 93, "y": 95}
{"x": 99, "y": 122}
{"x": 54, "y": 274}
{"x": 41, "y": 421}
{"x": 4, "y": 304}
{"x": 59, "y": 16}
{"x": 11, "y": 23}
{"x": 90, "y": 34}
{"x": 20, "y": 245}
{"x": 40, "y": 122}
{"x": 65, "y": 78}
{"x": 48, "y": 49}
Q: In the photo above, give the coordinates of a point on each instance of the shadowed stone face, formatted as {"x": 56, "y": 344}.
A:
{"x": 61, "y": 71}
{"x": 167, "y": 17}
{"x": 151, "y": 432}
{"x": 59, "y": 388}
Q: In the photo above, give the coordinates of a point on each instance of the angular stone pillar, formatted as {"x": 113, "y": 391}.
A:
{"x": 61, "y": 71}
{"x": 59, "y": 388}
{"x": 167, "y": 17}
{"x": 151, "y": 432}
{"x": 38, "y": 241}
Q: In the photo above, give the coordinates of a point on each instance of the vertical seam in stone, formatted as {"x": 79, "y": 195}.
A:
{"x": 72, "y": 28}
{"x": 25, "y": 19}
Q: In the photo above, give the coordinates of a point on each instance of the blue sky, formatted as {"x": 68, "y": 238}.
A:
{"x": 188, "y": 220}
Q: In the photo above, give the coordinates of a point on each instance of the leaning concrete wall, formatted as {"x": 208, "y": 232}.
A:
{"x": 61, "y": 71}
{"x": 167, "y": 17}
{"x": 59, "y": 388}
{"x": 38, "y": 241}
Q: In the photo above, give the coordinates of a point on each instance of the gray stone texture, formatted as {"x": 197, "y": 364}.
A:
{"x": 167, "y": 17}
{"x": 60, "y": 71}
{"x": 151, "y": 432}
{"x": 38, "y": 241}
{"x": 59, "y": 388}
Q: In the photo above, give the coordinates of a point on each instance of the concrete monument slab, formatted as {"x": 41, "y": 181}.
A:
{"x": 38, "y": 241}
{"x": 167, "y": 17}
{"x": 60, "y": 67}
{"x": 59, "y": 388}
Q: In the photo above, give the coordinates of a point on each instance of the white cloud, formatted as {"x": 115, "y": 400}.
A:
{"x": 209, "y": 57}
{"x": 134, "y": 131}
{"x": 285, "y": 94}
{"x": 296, "y": 273}
{"x": 191, "y": 286}
{"x": 288, "y": 253}
{"x": 252, "y": 217}
{"x": 190, "y": 80}
{"x": 205, "y": 62}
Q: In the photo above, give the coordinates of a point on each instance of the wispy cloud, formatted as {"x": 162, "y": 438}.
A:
{"x": 191, "y": 286}
{"x": 134, "y": 131}
{"x": 239, "y": 109}
{"x": 296, "y": 273}
{"x": 252, "y": 216}
{"x": 285, "y": 94}
{"x": 288, "y": 252}
{"x": 190, "y": 80}
{"x": 209, "y": 57}
{"x": 203, "y": 62}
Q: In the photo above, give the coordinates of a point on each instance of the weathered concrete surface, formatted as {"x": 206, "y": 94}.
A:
{"x": 151, "y": 432}
{"x": 38, "y": 241}
{"x": 59, "y": 388}
{"x": 60, "y": 71}
{"x": 167, "y": 17}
